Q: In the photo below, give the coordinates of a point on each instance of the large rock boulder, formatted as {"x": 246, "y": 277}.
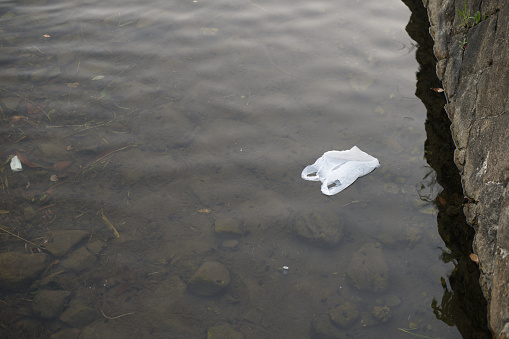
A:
{"x": 368, "y": 270}
{"x": 320, "y": 228}
{"x": 18, "y": 271}
{"x": 211, "y": 278}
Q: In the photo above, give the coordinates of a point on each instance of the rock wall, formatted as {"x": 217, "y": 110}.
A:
{"x": 473, "y": 63}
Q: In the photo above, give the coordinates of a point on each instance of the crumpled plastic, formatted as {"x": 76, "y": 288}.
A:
{"x": 339, "y": 169}
{"x": 16, "y": 164}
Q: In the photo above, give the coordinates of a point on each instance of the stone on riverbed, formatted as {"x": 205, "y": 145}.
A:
{"x": 368, "y": 270}
{"x": 228, "y": 226}
{"x": 321, "y": 327}
{"x": 320, "y": 228}
{"x": 344, "y": 315}
{"x": 18, "y": 271}
{"x": 61, "y": 242}
{"x": 211, "y": 278}
{"x": 78, "y": 314}
{"x": 223, "y": 332}
{"x": 79, "y": 260}
{"x": 49, "y": 304}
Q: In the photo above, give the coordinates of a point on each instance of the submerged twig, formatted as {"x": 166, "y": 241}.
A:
{"x": 407, "y": 331}
{"x": 20, "y": 238}
{"x": 102, "y": 157}
{"x": 28, "y": 100}
{"x": 118, "y": 316}
{"x": 110, "y": 226}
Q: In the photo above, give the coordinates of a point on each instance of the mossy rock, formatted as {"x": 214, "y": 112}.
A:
{"x": 322, "y": 328}
{"x": 320, "y": 228}
{"x": 223, "y": 332}
{"x": 344, "y": 315}
{"x": 228, "y": 226}
{"x": 368, "y": 270}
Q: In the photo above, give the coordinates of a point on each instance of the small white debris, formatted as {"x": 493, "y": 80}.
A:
{"x": 16, "y": 164}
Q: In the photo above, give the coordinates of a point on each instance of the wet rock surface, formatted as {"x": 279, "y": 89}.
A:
{"x": 368, "y": 270}
{"x": 18, "y": 271}
{"x": 476, "y": 80}
{"x": 211, "y": 278}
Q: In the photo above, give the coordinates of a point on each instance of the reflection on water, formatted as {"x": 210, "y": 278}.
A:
{"x": 159, "y": 137}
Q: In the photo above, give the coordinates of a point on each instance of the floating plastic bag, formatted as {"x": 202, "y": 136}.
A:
{"x": 339, "y": 169}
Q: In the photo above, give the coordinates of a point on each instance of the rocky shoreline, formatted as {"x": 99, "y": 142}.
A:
{"x": 471, "y": 45}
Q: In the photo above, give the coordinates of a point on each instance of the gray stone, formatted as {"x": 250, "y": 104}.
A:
{"x": 230, "y": 244}
{"x": 49, "y": 304}
{"x": 78, "y": 314}
{"x": 10, "y": 103}
{"x": 52, "y": 149}
{"x": 320, "y": 228}
{"x": 223, "y": 332}
{"x": 344, "y": 315}
{"x": 67, "y": 333}
{"x": 96, "y": 247}
{"x": 45, "y": 73}
{"x": 368, "y": 270}
{"x": 322, "y": 328}
{"x": 18, "y": 271}
{"x": 211, "y": 278}
{"x": 29, "y": 213}
{"x": 79, "y": 260}
{"x": 382, "y": 313}
{"x": 228, "y": 226}
{"x": 61, "y": 242}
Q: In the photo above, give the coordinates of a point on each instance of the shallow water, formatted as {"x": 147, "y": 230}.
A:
{"x": 179, "y": 115}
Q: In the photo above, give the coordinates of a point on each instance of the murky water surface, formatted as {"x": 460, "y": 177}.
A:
{"x": 184, "y": 126}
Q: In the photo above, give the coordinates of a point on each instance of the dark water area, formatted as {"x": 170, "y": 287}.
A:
{"x": 161, "y": 136}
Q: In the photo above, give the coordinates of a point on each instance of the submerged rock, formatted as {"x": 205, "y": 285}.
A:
{"x": 211, "y": 278}
{"x": 18, "y": 271}
{"x": 78, "y": 314}
{"x": 344, "y": 315}
{"x": 321, "y": 327}
{"x": 320, "y": 228}
{"x": 368, "y": 270}
{"x": 61, "y": 242}
{"x": 223, "y": 332}
{"x": 228, "y": 226}
{"x": 382, "y": 313}
{"x": 67, "y": 333}
{"x": 79, "y": 260}
{"x": 49, "y": 304}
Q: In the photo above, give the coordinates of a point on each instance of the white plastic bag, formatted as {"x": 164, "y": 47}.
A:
{"x": 339, "y": 169}
{"x": 16, "y": 164}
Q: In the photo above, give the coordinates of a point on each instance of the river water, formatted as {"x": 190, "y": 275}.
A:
{"x": 165, "y": 121}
